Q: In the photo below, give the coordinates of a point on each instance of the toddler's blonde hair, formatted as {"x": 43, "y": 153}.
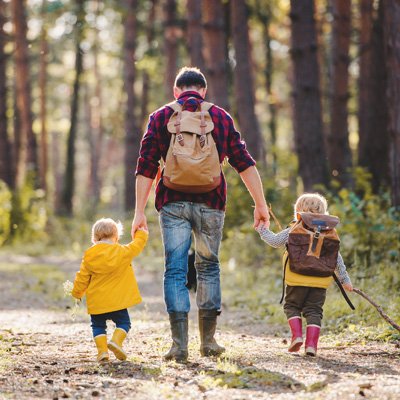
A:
{"x": 311, "y": 202}
{"x": 106, "y": 228}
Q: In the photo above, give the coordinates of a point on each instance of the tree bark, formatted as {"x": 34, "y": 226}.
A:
{"x": 215, "y": 52}
{"x": 133, "y": 136}
{"x": 244, "y": 82}
{"x": 27, "y": 152}
{"x": 171, "y": 45}
{"x": 5, "y": 144}
{"x": 339, "y": 153}
{"x": 69, "y": 180}
{"x": 306, "y": 96}
{"x": 392, "y": 50}
{"x": 377, "y": 146}
{"x": 194, "y": 36}
{"x": 364, "y": 83}
{"x": 265, "y": 14}
{"x": 42, "y": 84}
{"x": 146, "y": 77}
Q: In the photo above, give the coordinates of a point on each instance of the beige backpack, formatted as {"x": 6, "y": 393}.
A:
{"x": 192, "y": 163}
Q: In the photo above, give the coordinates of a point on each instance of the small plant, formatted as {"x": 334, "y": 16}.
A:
{"x": 68, "y": 286}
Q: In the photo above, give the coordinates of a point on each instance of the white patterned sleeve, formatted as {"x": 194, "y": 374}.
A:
{"x": 341, "y": 271}
{"x": 274, "y": 240}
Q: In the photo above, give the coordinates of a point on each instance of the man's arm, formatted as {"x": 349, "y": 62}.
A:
{"x": 143, "y": 187}
{"x": 252, "y": 180}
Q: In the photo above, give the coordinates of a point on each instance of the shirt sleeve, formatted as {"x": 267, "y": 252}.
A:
{"x": 81, "y": 282}
{"x": 238, "y": 156}
{"x": 274, "y": 239}
{"x": 341, "y": 271}
{"x": 137, "y": 245}
{"x": 149, "y": 158}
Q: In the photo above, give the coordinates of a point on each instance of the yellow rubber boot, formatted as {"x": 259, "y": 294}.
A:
{"x": 116, "y": 343}
{"x": 101, "y": 344}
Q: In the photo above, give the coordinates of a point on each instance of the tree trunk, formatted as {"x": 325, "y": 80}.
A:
{"x": 146, "y": 77}
{"x": 265, "y": 14}
{"x": 376, "y": 147}
{"x": 339, "y": 153}
{"x": 392, "y": 49}
{"x": 194, "y": 36}
{"x": 306, "y": 96}
{"x": 42, "y": 84}
{"x": 69, "y": 180}
{"x": 243, "y": 79}
{"x": 364, "y": 83}
{"x": 215, "y": 52}
{"x": 133, "y": 136}
{"x": 5, "y": 145}
{"x": 96, "y": 128}
{"x": 27, "y": 151}
{"x": 171, "y": 45}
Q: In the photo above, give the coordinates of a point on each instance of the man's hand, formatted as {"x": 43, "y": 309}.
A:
{"x": 139, "y": 222}
{"x": 261, "y": 217}
{"x": 348, "y": 287}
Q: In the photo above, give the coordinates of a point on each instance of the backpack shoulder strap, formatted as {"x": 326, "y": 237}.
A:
{"x": 174, "y": 105}
{"x": 205, "y": 106}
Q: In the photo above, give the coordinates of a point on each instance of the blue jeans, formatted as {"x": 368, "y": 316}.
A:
{"x": 177, "y": 221}
{"x": 120, "y": 318}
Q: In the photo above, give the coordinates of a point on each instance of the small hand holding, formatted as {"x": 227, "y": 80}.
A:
{"x": 348, "y": 287}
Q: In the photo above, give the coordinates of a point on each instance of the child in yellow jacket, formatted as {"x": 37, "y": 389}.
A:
{"x": 106, "y": 277}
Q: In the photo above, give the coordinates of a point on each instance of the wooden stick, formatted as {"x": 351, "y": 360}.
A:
{"x": 273, "y": 216}
{"x": 385, "y": 317}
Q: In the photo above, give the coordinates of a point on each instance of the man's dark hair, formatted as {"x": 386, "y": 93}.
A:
{"x": 190, "y": 77}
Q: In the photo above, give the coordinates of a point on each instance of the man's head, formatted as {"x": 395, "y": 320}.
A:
{"x": 190, "y": 79}
{"x": 106, "y": 229}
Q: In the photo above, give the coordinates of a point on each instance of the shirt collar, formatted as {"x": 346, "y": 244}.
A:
{"x": 190, "y": 93}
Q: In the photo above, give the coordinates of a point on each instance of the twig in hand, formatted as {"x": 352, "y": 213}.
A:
{"x": 273, "y": 216}
{"x": 385, "y": 317}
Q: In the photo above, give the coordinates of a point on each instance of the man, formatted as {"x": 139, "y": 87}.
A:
{"x": 184, "y": 213}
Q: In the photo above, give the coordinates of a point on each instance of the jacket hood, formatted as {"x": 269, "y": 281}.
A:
{"x": 102, "y": 258}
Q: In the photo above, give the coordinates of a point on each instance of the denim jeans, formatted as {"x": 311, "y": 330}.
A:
{"x": 178, "y": 220}
{"x": 120, "y": 318}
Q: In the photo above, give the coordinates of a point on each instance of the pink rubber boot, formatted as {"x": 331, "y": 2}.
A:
{"x": 312, "y": 336}
{"x": 297, "y": 334}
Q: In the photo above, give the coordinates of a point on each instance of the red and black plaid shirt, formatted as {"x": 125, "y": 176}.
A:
{"x": 155, "y": 145}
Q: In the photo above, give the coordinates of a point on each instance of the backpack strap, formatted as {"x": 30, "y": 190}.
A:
{"x": 174, "y": 105}
{"x": 343, "y": 291}
{"x": 283, "y": 278}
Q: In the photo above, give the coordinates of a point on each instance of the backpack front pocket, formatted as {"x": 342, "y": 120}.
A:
{"x": 298, "y": 245}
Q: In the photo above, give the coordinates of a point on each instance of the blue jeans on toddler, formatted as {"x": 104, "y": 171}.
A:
{"x": 120, "y": 318}
{"x": 177, "y": 220}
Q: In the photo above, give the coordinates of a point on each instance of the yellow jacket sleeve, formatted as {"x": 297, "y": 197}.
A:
{"x": 137, "y": 245}
{"x": 81, "y": 282}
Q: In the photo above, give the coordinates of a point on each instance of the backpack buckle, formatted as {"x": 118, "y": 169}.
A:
{"x": 179, "y": 136}
{"x": 202, "y": 140}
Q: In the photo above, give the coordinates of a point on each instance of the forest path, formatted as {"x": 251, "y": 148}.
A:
{"x": 44, "y": 354}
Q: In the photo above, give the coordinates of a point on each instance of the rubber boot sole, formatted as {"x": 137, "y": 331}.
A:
{"x": 119, "y": 353}
{"x": 295, "y": 345}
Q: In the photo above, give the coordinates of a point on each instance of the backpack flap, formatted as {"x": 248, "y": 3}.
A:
{"x": 324, "y": 221}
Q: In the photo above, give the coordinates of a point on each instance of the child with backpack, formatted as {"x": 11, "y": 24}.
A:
{"x": 311, "y": 259}
{"x": 106, "y": 277}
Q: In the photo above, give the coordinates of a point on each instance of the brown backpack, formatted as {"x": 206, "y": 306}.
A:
{"x": 313, "y": 245}
{"x": 192, "y": 162}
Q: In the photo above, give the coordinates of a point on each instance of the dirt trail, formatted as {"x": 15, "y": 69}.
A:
{"x": 44, "y": 354}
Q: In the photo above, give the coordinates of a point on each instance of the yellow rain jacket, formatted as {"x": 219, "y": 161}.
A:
{"x": 107, "y": 278}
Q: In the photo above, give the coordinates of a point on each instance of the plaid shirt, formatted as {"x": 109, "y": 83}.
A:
{"x": 155, "y": 145}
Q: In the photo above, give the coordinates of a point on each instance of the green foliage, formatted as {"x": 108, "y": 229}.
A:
{"x": 5, "y": 208}
{"x": 369, "y": 232}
